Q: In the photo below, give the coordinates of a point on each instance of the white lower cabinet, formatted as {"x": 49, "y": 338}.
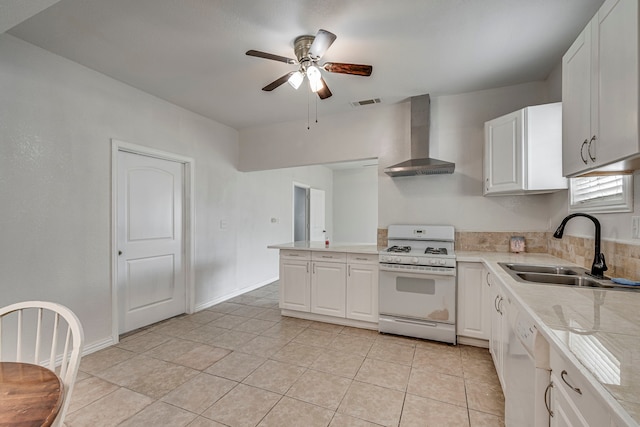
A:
{"x": 499, "y": 342}
{"x": 474, "y": 315}
{"x": 295, "y": 280}
{"x": 333, "y": 284}
{"x": 572, "y": 402}
{"x": 362, "y": 287}
{"x": 328, "y": 288}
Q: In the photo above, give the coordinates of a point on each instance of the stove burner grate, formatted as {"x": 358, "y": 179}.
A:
{"x": 399, "y": 249}
{"x": 435, "y": 251}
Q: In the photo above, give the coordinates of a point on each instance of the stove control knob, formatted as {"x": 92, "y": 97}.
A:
{"x": 432, "y": 261}
{"x": 396, "y": 259}
{"x": 414, "y": 260}
{"x": 442, "y": 262}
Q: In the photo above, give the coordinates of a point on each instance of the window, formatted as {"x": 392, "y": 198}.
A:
{"x": 607, "y": 193}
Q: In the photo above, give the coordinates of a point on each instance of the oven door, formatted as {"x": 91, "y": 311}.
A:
{"x": 418, "y": 295}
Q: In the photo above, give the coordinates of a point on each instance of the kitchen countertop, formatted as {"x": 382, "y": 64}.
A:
{"x": 609, "y": 320}
{"x": 358, "y": 248}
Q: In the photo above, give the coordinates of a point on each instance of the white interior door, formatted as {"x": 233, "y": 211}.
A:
{"x": 150, "y": 271}
{"x": 316, "y": 215}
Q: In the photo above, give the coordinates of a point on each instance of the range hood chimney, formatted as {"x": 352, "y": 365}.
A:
{"x": 420, "y": 162}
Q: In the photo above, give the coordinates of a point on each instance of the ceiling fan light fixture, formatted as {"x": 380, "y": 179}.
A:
{"x": 295, "y": 80}
{"x": 315, "y": 85}
{"x": 313, "y": 73}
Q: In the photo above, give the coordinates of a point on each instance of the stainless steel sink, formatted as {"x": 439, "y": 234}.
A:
{"x": 548, "y": 269}
{"x": 559, "y": 275}
{"x": 560, "y": 279}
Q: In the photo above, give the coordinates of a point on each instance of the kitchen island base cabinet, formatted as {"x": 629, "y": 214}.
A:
{"x": 335, "y": 287}
{"x": 362, "y": 287}
{"x": 295, "y": 281}
{"x": 328, "y": 285}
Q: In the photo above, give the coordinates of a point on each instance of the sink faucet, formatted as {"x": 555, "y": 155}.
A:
{"x": 598, "y": 267}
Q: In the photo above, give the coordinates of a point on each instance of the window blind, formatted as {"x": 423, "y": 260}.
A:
{"x": 598, "y": 188}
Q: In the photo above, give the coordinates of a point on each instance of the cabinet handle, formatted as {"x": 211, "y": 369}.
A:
{"x": 576, "y": 389}
{"x": 500, "y": 306}
{"x": 584, "y": 159}
{"x": 307, "y": 267}
{"x": 314, "y": 268}
{"x": 349, "y": 271}
{"x": 361, "y": 259}
{"x": 327, "y": 256}
{"x": 495, "y": 303}
{"x": 593, "y": 139}
{"x": 488, "y": 281}
{"x": 546, "y": 394}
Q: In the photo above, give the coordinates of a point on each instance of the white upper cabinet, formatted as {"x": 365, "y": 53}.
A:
{"x": 523, "y": 152}
{"x": 600, "y": 93}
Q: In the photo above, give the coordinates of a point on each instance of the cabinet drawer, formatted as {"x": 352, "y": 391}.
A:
{"x": 362, "y": 258}
{"x": 329, "y": 256}
{"x": 293, "y": 254}
{"x": 568, "y": 378}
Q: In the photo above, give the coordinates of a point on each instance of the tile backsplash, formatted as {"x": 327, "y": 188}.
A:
{"x": 622, "y": 259}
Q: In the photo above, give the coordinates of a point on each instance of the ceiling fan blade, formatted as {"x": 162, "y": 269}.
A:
{"x": 324, "y": 93}
{"x": 356, "y": 69}
{"x": 271, "y": 86}
{"x": 271, "y": 56}
{"x": 321, "y": 43}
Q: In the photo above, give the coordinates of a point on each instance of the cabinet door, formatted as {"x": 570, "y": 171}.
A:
{"x": 503, "y": 154}
{"x": 576, "y": 104}
{"x": 496, "y": 343}
{"x": 328, "y": 288}
{"x": 474, "y": 318}
{"x": 362, "y": 292}
{"x": 565, "y": 414}
{"x": 295, "y": 281}
{"x": 615, "y": 35}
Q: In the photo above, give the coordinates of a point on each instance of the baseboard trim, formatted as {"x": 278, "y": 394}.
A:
{"x": 234, "y": 294}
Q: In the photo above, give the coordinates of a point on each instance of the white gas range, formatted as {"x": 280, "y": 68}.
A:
{"x": 417, "y": 287}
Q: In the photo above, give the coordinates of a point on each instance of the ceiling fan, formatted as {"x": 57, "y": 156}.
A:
{"x": 309, "y": 50}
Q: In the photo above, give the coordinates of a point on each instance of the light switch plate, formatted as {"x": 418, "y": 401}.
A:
{"x": 635, "y": 227}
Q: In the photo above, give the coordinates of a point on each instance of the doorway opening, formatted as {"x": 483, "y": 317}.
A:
{"x": 308, "y": 213}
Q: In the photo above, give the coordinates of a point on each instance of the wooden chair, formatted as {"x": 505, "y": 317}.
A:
{"x": 40, "y": 330}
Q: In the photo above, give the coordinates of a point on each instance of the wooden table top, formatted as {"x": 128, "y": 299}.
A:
{"x": 30, "y": 395}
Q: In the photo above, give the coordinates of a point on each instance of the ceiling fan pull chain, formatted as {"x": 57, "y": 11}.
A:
{"x": 308, "y": 114}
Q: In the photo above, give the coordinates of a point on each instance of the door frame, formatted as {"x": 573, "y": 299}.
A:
{"x": 188, "y": 223}
{"x": 293, "y": 209}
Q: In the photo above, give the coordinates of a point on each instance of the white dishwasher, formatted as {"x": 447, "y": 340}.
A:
{"x": 526, "y": 372}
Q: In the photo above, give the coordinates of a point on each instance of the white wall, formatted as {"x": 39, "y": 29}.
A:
{"x": 382, "y": 131}
{"x": 355, "y": 205}
{"x": 57, "y": 120}
{"x": 265, "y": 195}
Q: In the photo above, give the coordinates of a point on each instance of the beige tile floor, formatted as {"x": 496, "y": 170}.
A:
{"x": 240, "y": 363}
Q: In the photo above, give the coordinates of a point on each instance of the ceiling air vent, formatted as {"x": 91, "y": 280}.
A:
{"x": 365, "y": 102}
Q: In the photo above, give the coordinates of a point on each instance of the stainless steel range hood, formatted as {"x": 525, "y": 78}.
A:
{"x": 420, "y": 162}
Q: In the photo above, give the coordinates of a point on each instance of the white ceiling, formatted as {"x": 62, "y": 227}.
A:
{"x": 192, "y": 52}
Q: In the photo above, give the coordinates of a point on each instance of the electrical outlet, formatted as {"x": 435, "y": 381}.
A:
{"x": 635, "y": 227}
{"x": 223, "y": 224}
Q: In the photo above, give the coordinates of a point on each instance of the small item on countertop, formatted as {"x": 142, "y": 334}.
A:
{"x": 517, "y": 244}
{"x": 621, "y": 281}
{"x": 326, "y": 241}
